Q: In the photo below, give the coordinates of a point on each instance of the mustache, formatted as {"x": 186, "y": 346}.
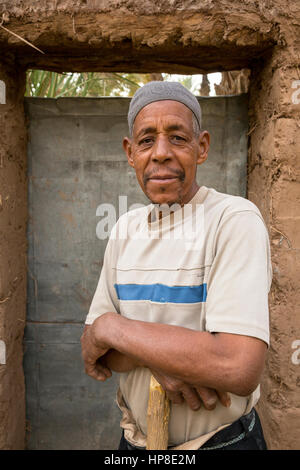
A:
{"x": 180, "y": 174}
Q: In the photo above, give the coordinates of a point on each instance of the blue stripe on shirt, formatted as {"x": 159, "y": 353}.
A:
{"x": 162, "y": 293}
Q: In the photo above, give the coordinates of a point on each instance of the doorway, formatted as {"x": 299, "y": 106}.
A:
{"x": 76, "y": 163}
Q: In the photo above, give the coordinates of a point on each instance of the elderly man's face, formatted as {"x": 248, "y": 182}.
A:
{"x": 165, "y": 152}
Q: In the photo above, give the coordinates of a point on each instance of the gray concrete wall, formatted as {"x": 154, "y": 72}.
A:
{"x": 76, "y": 163}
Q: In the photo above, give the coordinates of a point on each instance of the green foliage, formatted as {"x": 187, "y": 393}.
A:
{"x": 46, "y": 84}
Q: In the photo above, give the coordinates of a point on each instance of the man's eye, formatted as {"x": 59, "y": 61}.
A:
{"x": 178, "y": 138}
{"x": 147, "y": 140}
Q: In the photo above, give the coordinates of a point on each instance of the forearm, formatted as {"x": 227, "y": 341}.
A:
{"x": 192, "y": 356}
{"x": 119, "y": 362}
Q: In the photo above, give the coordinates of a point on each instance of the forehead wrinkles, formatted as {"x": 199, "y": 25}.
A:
{"x": 159, "y": 118}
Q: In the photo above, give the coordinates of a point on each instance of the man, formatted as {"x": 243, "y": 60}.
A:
{"x": 192, "y": 310}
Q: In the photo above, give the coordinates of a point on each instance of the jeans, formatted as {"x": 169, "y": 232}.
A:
{"x": 244, "y": 434}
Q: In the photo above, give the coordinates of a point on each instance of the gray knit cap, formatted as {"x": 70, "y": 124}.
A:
{"x": 159, "y": 91}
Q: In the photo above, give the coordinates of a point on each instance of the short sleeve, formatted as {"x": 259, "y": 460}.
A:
{"x": 105, "y": 298}
{"x": 240, "y": 277}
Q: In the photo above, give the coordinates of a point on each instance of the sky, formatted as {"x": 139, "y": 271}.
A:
{"x": 212, "y": 77}
{"x": 197, "y": 79}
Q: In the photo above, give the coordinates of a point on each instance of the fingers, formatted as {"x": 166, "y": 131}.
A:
{"x": 96, "y": 370}
{"x": 178, "y": 392}
{"x": 198, "y": 395}
{"x": 171, "y": 386}
{"x": 208, "y": 396}
{"x": 175, "y": 397}
{"x": 187, "y": 394}
{"x": 211, "y": 397}
{"x": 191, "y": 397}
{"x": 94, "y": 373}
{"x": 224, "y": 398}
{"x": 90, "y": 354}
{"x": 97, "y": 373}
{"x": 103, "y": 369}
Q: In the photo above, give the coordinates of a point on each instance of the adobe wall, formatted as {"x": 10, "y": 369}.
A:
{"x": 13, "y": 248}
{"x": 273, "y": 184}
{"x": 186, "y": 36}
{"x": 119, "y": 35}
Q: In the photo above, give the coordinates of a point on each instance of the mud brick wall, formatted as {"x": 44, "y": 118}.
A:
{"x": 273, "y": 184}
{"x": 178, "y": 36}
{"x": 13, "y": 248}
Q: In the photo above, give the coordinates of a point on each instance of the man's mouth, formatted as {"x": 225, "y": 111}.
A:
{"x": 163, "y": 179}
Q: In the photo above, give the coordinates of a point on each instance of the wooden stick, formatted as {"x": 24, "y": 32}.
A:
{"x": 157, "y": 417}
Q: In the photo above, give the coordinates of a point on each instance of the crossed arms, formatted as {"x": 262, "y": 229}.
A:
{"x": 191, "y": 365}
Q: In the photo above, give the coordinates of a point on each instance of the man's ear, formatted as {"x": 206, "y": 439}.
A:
{"x": 203, "y": 141}
{"x": 127, "y": 149}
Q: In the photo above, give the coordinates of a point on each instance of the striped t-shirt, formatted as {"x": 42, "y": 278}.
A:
{"x": 207, "y": 267}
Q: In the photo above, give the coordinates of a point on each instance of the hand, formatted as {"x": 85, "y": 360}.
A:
{"x": 93, "y": 348}
{"x": 178, "y": 391}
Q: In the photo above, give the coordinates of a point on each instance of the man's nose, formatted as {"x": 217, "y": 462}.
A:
{"x": 162, "y": 150}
